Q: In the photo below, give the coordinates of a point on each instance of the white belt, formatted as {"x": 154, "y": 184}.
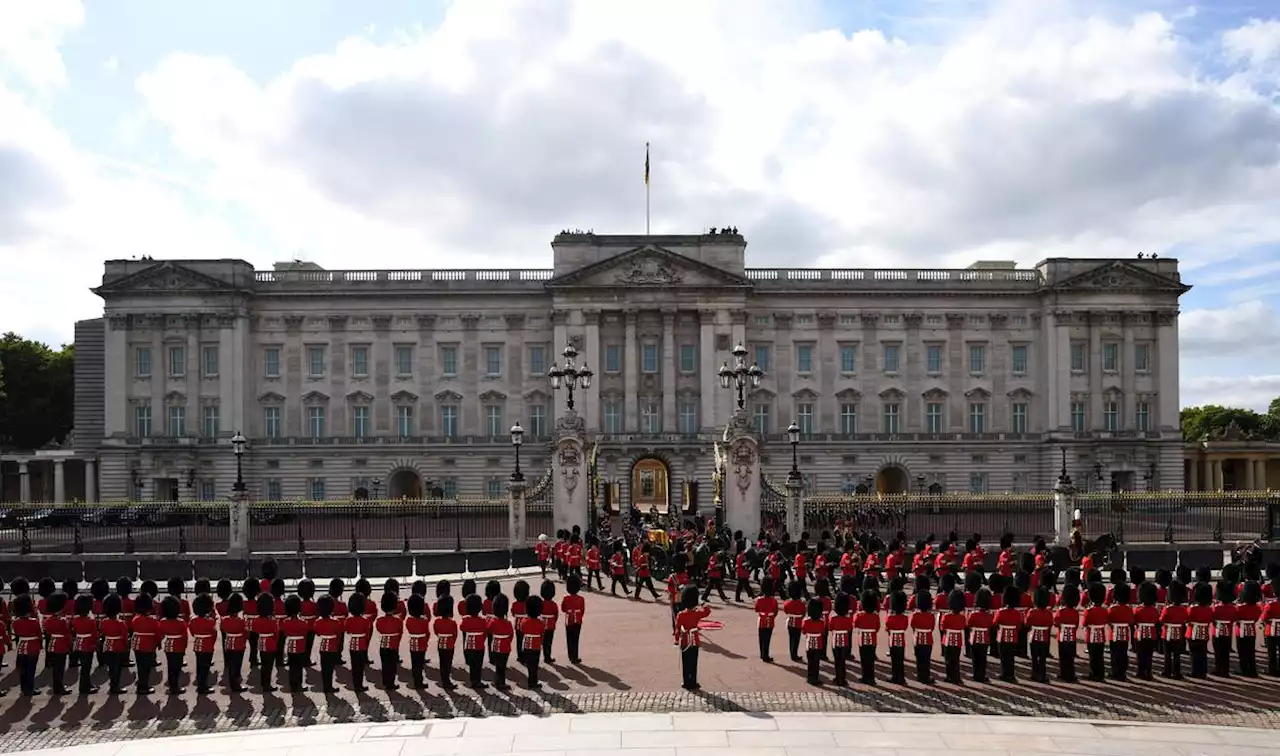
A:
{"x": 173, "y": 637}
{"x": 412, "y": 636}
{"x": 80, "y": 636}
{"x": 1275, "y": 627}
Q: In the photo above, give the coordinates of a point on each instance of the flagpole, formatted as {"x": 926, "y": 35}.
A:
{"x": 646, "y": 189}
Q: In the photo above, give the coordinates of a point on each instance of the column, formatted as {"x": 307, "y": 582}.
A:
{"x": 1167, "y": 381}
{"x": 116, "y": 363}
{"x": 591, "y": 401}
{"x": 59, "y": 482}
{"x": 631, "y": 376}
{"x": 1217, "y": 475}
{"x": 1063, "y": 506}
{"x": 668, "y": 371}
{"x": 708, "y": 382}
{"x": 195, "y": 370}
{"x": 90, "y": 482}
{"x": 572, "y": 482}
{"x": 1193, "y": 475}
{"x": 516, "y": 369}
{"x": 1095, "y": 371}
{"x": 516, "y": 514}
{"x": 1208, "y": 474}
{"x": 159, "y": 377}
{"x": 1128, "y": 378}
{"x": 232, "y": 373}
{"x": 1249, "y": 484}
{"x": 24, "y": 483}
{"x": 1260, "y": 474}
{"x": 742, "y": 484}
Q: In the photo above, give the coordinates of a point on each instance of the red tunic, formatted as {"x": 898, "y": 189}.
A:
{"x": 58, "y": 631}
{"x": 687, "y": 634}
{"x": 308, "y": 611}
{"x": 1007, "y": 622}
{"x": 1145, "y": 619}
{"x": 593, "y": 559}
{"x": 812, "y": 634}
{"x": 543, "y": 551}
{"x": 268, "y": 630}
{"x": 766, "y": 612}
{"x": 531, "y": 634}
{"x": 419, "y": 631}
{"x": 617, "y": 564}
{"x": 358, "y": 630}
{"x": 115, "y": 635}
{"x": 1173, "y": 620}
{"x": 1096, "y": 619}
{"x": 573, "y": 607}
{"x": 145, "y": 631}
{"x": 952, "y": 626}
{"x": 235, "y": 633}
{"x": 922, "y": 626}
{"x": 28, "y": 636}
{"x": 866, "y": 626}
{"x": 1271, "y": 619}
{"x": 549, "y": 614}
{"x": 1224, "y": 620}
{"x": 294, "y": 630}
{"x": 475, "y": 632}
{"x": 1199, "y": 623}
{"x": 741, "y": 569}
{"x": 794, "y": 609}
{"x": 446, "y": 630}
{"x": 204, "y": 634}
{"x": 897, "y": 625}
{"x": 173, "y": 636}
{"x": 1068, "y": 621}
{"x": 1039, "y": 625}
{"x": 328, "y": 632}
{"x": 713, "y": 568}
{"x": 841, "y": 629}
{"x": 641, "y": 561}
{"x": 390, "y": 631}
{"x": 980, "y": 623}
{"x": 501, "y": 632}
{"x": 84, "y": 632}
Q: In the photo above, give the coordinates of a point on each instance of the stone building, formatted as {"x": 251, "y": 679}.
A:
{"x": 392, "y": 382}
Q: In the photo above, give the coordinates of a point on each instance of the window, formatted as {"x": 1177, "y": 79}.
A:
{"x": 537, "y": 360}
{"x": 804, "y": 417}
{"x": 762, "y": 358}
{"x": 760, "y": 418}
{"x": 404, "y": 360}
{"x": 1078, "y": 415}
{"x": 449, "y": 421}
{"x": 1079, "y": 357}
{"x": 1142, "y": 416}
{"x": 1142, "y": 358}
{"x": 688, "y": 358}
{"x": 891, "y": 358}
{"x": 142, "y": 362}
{"x": 315, "y": 489}
{"x": 933, "y": 417}
{"x": 933, "y": 358}
{"x": 493, "y": 488}
{"x": 177, "y": 421}
{"x": 271, "y": 422}
{"x": 804, "y": 320}
{"x": 1019, "y": 417}
{"x": 142, "y": 421}
{"x": 613, "y": 417}
{"x": 1019, "y": 320}
{"x": 977, "y": 417}
{"x": 650, "y": 422}
{"x": 612, "y": 358}
{"x": 271, "y": 362}
{"x": 275, "y": 492}
{"x": 1020, "y": 482}
{"x": 493, "y": 360}
{"x": 1020, "y": 359}
{"x": 848, "y": 358}
{"x": 977, "y": 320}
{"x": 315, "y": 361}
{"x": 404, "y": 421}
{"x": 211, "y": 421}
{"x": 848, "y": 419}
{"x": 1111, "y": 415}
{"x": 209, "y": 362}
{"x": 804, "y": 358}
{"x": 448, "y": 360}
{"x": 649, "y": 358}
{"x": 208, "y": 490}
{"x": 449, "y": 487}
{"x": 762, "y": 320}
{"x": 360, "y": 425}
{"x": 891, "y": 417}
{"x": 1110, "y": 357}
{"x": 688, "y": 418}
{"x": 315, "y": 422}
{"x": 538, "y": 420}
{"x": 177, "y": 361}
{"x": 977, "y": 483}
{"x": 493, "y": 420}
{"x": 977, "y": 358}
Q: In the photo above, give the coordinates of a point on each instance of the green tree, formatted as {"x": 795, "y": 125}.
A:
{"x": 37, "y": 405}
{"x": 1273, "y": 409}
{"x": 1211, "y": 422}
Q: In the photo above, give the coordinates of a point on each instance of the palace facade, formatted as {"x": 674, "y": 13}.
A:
{"x": 390, "y": 383}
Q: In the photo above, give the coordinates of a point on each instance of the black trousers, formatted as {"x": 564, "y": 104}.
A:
{"x": 499, "y": 662}
{"x": 543, "y": 566}
{"x": 743, "y": 584}
{"x": 1273, "y": 655}
{"x": 389, "y": 664}
{"x": 793, "y": 642}
{"x": 86, "y": 672}
{"x": 689, "y": 667}
{"x": 1173, "y": 650}
{"x": 867, "y": 661}
{"x": 1145, "y": 650}
{"x": 27, "y": 673}
{"x": 645, "y": 582}
{"x": 359, "y": 662}
{"x": 572, "y": 635}
{"x": 979, "y": 654}
{"x": 253, "y": 650}
{"x": 1246, "y": 649}
{"x": 417, "y": 666}
{"x": 1199, "y": 657}
{"x": 715, "y": 584}
{"x": 765, "y": 635}
{"x": 173, "y": 670}
{"x": 115, "y": 665}
{"x": 530, "y": 660}
{"x": 204, "y": 666}
{"x": 266, "y": 667}
{"x": 57, "y": 666}
{"x": 1067, "y": 661}
{"x": 1097, "y": 661}
{"x": 841, "y": 665}
{"x": 297, "y": 668}
{"x": 328, "y": 663}
{"x": 596, "y": 575}
{"x": 1119, "y": 660}
{"x": 618, "y": 580}
{"x": 446, "y": 668}
{"x": 951, "y": 662}
{"x": 898, "y": 665}
{"x": 1039, "y": 661}
{"x": 474, "y": 659}
{"x": 1222, "y": 656}
{"x": 146, "y": 661}
{"x": 1008, "y": 655}
{"x": 234, "y": 662}
{"x": 924, "y": 664}
{"x": 548, "y": 637}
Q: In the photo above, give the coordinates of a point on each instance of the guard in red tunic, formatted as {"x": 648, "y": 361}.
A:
{"x": 1271, "y": 627}
{"x": 1040, "y": 621}
{"x": 923, "y": 624}
{"x": 1120, "y": 617}
{"x": 594, "y": 564}
{"x": 573, "y": 608}
{"x": 328, "y": 633}
{"x": 356, "y": 627}
{"x": 267, "y": 627}
{"x": 474, "y": 629}
{"x": 1067, "y": 620}
{"x": 644, "y": 575}
{"x": 896, "y": 625}
{"x": 1247, "y": 615}
{"x": 715, "y": 576}
{"x": 766, "y": 609}
{"x": 980, "y": 623}
{"x": 418, "y": 627}
{"x": 1146, "y": 624}
{"x": 530, "y": 638}
{"x": 550, "y": 616}
{"x": 173, "y": 641}
{"x": 203, "y": 630}
{"x": 235, "y": 639}
{"x": 573, "y": 556}
{"x": 1224, "y": 622}
{"x": 618, "y": 570}
{"x": 293, "y": 642}
{"x": 84, "y": 640}
{"x": 543, "y": 551}
{"x": 840, "y": 630}
{"x": 952, "y": 626}
{"x": 1199, "y": 629}
{"x": 742, "y": 576}
{"x": 57, "y": 633}
{"x": 501, "y": 635}
{"x": 1096, "y": 619}
{"x": 812, "y": 631}
{"x": 794, "y": 609}
{"x": 1173, "y": 626}
{"x": 28, "y": 637}
{"x": 145, "y": 632}
{"x": 866, "y": 629}
{"x": 1008, "y": 622}
{"x": 115, "y": 641}
{"x": 688, "y": 636}
{"x": 308, "y": 614}
{"x": 446, "y": 631}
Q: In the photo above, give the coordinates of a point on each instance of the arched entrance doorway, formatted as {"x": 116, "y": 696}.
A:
{"x": 404, "y": 484}
{"x": 892, "y": 480}
{"x": 650, "y": 485}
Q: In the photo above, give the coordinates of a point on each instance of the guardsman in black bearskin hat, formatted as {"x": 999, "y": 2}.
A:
{"x": 1271, "y": 627}
{"x": 1067, "y": 619}
{"x": 867, "y": 630}
{"x": 1096, "y": 619}
{"x": 1247, "y": 615}
{"x": 812, "y": 631}
{"x": 840, "y": 627}
{"x": 688, "y": 636}
{"x": 1199, "y": 629}
{"x": 1224, "y": 623}
{"x": 953, "y": 625}
{"x": 1120, "y": 616}
{"x": 1146, "y": 621}
{"x": 1173, "y": 627}
{"x": 1040, "y": 622}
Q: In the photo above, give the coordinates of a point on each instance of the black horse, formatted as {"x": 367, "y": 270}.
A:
{"x": 1104, "y": 545}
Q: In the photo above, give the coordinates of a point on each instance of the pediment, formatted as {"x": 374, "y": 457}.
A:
{"x": 935, "y": 394}
{"x": 164, "y": 278}
{"x": 315, "y": 397}
{"x": 360, "y": 397}
{"x": 535, "y": 396}
{"x": 404, "y": 396}
{"x": 892, "y": 393}
{"x": 1021, "y": 393}
{"x": 849, "y": 395}
{"x": 804, "y": 393}
{"x": 271, "y": 397}
{"x": 762, "y": 394}
{"x": 646, "y": 267}
{"x": 1119, "y": 275}
{"x": 175, "y": 396}
{"x": 493, "y": 396}
{"x": 1112, "y": 389}
{"x": 448, "y": 396}
{"x": 978, "y": 393}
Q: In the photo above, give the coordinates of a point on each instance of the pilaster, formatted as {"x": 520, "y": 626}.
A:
{"x": 668, "y": 371}
{"x": 517, "y": 515}
{"x": 742, "y": 476}
{"x": 570, "y": 475}
{"x": 631, "y": 375}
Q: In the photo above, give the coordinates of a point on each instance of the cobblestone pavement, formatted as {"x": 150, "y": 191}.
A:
{"x": 629, "y": 666}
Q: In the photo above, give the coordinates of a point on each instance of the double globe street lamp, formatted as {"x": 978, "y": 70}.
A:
{"x": 740, "y": 375}
{"x": 570, "y": 376}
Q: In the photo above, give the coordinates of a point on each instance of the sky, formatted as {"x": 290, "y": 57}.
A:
{"x": 846, "y": 133}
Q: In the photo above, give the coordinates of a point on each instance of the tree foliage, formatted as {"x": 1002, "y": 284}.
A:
{"x": 1212, "y": 422}
{"x": 38, "y": 397}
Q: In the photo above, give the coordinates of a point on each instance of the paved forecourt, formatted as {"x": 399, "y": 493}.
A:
{"x": 629, "y": 665}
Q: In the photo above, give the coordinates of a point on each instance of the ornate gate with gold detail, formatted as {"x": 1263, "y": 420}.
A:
{"x": 650, "y": 485}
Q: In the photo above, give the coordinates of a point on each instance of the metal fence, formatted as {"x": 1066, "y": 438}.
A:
{"x": 1173, "y": 517}
{"x": 114, "y": 528}
{"x": 1025, "y": 515}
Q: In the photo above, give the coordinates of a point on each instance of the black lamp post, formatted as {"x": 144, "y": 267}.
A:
{"x": 377, "y": 484}
{"x": 570, "y": 375}
{"x": 517, "y": 438}
{"x": 237, "y": 445}
{"x": 920, "y": 481}
{"x": 740, "y": 375}
{"x": 793, "y": 435}
{"x": 1064, "y": 478}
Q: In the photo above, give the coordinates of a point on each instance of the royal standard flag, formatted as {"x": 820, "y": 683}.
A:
{"x": 646, "y": 163}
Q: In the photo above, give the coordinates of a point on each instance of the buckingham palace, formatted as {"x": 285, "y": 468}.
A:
{"x": 392, "y": 383}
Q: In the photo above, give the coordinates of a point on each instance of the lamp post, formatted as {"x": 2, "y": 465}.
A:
{"x": 570, "y": 376}
{"x": 795, "y": 484}
{"x": 920, "y": 481}
{"x": 377, "y": 484}
{"x": 739, "y": 376}
{"x": 517, "y": 438}
{"x": 237, "y": 445}
{"x": 238, "y": 522}
{"x": 793, "y": 435}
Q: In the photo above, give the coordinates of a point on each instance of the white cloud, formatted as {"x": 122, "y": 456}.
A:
{"x": 1235, "y": 331}
{"x": 111, "y": 65}
{"x": 1258, "y": 41}
{"x": 30, "y": 33}
{"x": 1254, "y": 391}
